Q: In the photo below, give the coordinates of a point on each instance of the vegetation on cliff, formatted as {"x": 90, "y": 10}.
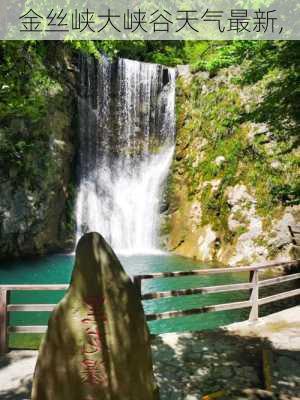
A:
{"x": 238, "y": 127}
{"x": 36, "y": 116}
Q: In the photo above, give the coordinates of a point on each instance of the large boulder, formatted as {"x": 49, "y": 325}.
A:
{"x": 97, "y": 346}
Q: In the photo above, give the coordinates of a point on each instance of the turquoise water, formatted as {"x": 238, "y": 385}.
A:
{"x": 58, "y": 268}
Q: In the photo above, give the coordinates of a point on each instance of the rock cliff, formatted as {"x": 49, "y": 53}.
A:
{"x": 37, "y": 153}
{"x": 232, "y": 165}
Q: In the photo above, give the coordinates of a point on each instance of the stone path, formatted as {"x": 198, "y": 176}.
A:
{"x": 234, "y": 363}
{"x": 190, "y": 366}
{"x": 16, "y": 369}
{"x": 282, "y": 329}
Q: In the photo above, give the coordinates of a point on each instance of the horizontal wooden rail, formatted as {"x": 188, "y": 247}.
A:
{"x": 222, "y": 307}
{"x": 30, "y": 307}
{"x": 215, "y": 271}
{"x": 201, "y": 290}
{"x": 35, "y": 287}
{"x": 254, "y": 302}
{"x": 27, "y": 329}
{"x": 279, "y": 279}
{"x": 294, "y": 228}
{"x": 279, "y": 296}
{"x": 219, "y": 307}
{"x": 5, "y": 308}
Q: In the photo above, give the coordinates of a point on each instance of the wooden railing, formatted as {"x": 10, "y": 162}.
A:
{"x": 295, "y": 234}
{"x": 6, "y": 308}
{"x": 254, "y": 302}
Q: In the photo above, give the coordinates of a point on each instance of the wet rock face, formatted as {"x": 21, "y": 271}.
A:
{"x": 33, "y": 221}
{"x": 37, "y": 191}
{"x": 97, "y": 345}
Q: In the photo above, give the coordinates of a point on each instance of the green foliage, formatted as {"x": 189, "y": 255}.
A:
{"x": 21, "y": 98}
{"x": 220, "y": 55}
{"x": 201, "y": 55}
{"x": 163, "y": 52}
{"x": 215, "y": 210}
{"x": 286, "y": 193}
{"x": 213, "y": 121}
{"x": 88, "y": 47}
{"x": 24, "y": 83}
{"x": 278, "y": 63}
{"x": 27, "y": 93}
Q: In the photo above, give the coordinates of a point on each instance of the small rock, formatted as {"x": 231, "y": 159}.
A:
{"x": 276, "y": 164}
{"x": 184, "y": 72}
{"x": 220, "y": 160}
{"x": 206, "y": 243}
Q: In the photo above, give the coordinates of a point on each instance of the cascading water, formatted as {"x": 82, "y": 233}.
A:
{"x": 126, "y": 143}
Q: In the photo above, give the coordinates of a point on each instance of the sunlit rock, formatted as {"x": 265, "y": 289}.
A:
{"x": 206, "y": 243}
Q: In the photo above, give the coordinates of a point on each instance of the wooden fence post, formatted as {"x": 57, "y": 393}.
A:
{"x": 254, "y": 297}
{"x": 3, "y": 321}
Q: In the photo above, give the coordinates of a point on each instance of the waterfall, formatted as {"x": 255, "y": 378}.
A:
{"x": 126, "y": 144}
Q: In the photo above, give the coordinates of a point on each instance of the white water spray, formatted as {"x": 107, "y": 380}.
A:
{"x": 126, "y": 125}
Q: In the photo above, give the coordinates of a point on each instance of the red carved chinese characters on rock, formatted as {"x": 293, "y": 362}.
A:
{"x": 93, "y": 370}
